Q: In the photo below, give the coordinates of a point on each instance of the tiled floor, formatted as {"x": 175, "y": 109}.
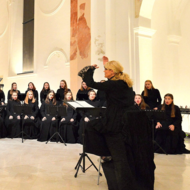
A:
{"x": 34, "y": 165}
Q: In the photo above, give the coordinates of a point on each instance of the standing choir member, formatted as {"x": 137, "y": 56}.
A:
{"x": 13, "y": 119}
{"x": 13, "y": 89}
{"x": 33, "y": 88}
{"x": 49, "y": 124}
{"x": 119, "y": 96}
{"x": 63, "y": 89}
{"x": 68, "y": 125}
{"x": 151, "y": 95}
{"x": 82, "y": 93}
{"x": 85, "y": 116}
{"x": 169, "y": 134}
{"x": 31, "y": 121}
{"x": 140, "y": 103}
{"x": 44, "y": 92}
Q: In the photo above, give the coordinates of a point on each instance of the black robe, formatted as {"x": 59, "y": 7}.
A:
{"x": 171, "y": 141}
{"x": 153, "y": 99}
{"x": 35, "y": 92}
{"x": 13, "y": 125}
{"x": 48, "y": 127}
{"x": 60, "y": 94}
{"x": 68, "y": 130}
{"x": 82, "y": 94}
{"x": 9, "y": 95}
{"x": 43, "y": 95}
{"x": 120, "y": 172}
{"x": 31, "y": 126}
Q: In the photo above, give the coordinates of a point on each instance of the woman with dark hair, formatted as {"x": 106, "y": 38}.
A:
{"x": 151, "y": 95}
{"x": 140, "y": 103}
{"x": 82, "y": 93}
{"x": 68, "y": 125}
{"x": 31, "y": 122}
{"x": 13, "y": 119}
{"x": 13, "y": 89}
{"x": 49, "y": 124}
{"x": 32, "y": 87}
{"x": 44, "y": 92}
{"x": 169, "y": 134}
{"x": 62, "y": 91}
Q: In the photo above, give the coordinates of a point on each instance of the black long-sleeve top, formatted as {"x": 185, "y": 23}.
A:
{"x": 82, "y": 94}
{"x": 71, "y": 113}
{"x": 35, "y": 92}
{"x": 10, "y": 107}
{"x": 44, "y": 108}
{"x": 153, "y": 99}
{"x": 119, "y": 96}
{"x": 176, "y": 121}
{"x": 43, "y": 95}
{"x": 34, "y": 106}
{"x": 60, "y": 94}
{"x": 2, "y": 96}
{"x": 9, "y": 95}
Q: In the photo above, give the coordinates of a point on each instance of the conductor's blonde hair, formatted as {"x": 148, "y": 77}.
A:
{"x": 118, "y": 70}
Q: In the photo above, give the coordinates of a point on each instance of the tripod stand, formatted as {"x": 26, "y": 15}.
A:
{"x": 56, "y": 111}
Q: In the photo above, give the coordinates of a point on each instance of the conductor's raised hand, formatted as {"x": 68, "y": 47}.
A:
{"x": 105, "y": 60}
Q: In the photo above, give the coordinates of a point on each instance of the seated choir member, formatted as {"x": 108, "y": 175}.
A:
{"x": 151, "y": 95}
{"x": 31, "y": 122}
{"x": 169, "y": 134}
{"x": 44, "y": 92}
{"x": 86, "y": 117}
{"x": 139, "y": 102}
{"x": 63, "y": 89}
{"x": 101, "y": 96}
{"x": 82, "y": 93}
{"x": 33, "y": 88}
{"x": 68, "y": 125}
{"x": 49, "y": 124}
{"x": 13, "y": 89}
{"x": 13, "y": 119}
{"x": 2, "y": 97}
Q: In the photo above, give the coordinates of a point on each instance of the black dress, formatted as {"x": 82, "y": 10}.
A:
{"x": 171, "y": 141}
{"x": 35, "y": 92}
{"x": 9, "y": 95}
{"x": 68, "y": 130}
{"x": 43, "y": 95}
{"x": 153, "y": 99}
{"x": 48, "y": 127}
{"x": 82, "y": 94}
{"x": 60, "y": 94}
{"x": 13, "y": 125}
{"x": 82, "y": 123}
{"x": 119, "y": 172}
{"x": 31, "y": 126}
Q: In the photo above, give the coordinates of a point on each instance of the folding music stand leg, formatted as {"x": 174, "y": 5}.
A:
{"x": 59, "y": 136}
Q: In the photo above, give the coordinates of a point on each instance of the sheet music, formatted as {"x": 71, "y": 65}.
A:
{"x": 80, "y": 104}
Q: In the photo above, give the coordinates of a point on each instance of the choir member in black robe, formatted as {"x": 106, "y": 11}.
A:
{"x": 85, "y": 116}
{"x": 63, "y": 89}
{"x": 12, "y": 118}
{"x": 82, "y": 93}
{"x": 151, "y": 95}
{"x": 44, "y": 92}
{"x": 101, "y": 96}
{"x": 2, "y": 115}
{"x": 140, "y": 103}
{"x": 33, "y": 88}
{"x": 49, "y": 124}
{"x": 68, "y": 125}
{"x": 13, "y": 89}
{"x": 31, "y": 122}
{"x": 169, "y": 134}
{"x": 119, "y": 96}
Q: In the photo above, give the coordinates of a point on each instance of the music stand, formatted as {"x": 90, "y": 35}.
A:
{"x": 56, "y": 111}
{"x": 154, "y": 115}
{"x": 97, "y": 112}
{"x": 22, "y": 110}
{"x": 22, "y": 97}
